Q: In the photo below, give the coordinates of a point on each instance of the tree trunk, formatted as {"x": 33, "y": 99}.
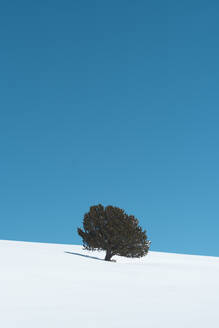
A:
{"x": 108, "y": 255}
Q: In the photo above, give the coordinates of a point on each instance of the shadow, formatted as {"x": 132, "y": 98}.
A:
{"x": 90, "y": 257}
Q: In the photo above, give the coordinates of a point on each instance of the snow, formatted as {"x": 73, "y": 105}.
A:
{"x": 51, "y": 285}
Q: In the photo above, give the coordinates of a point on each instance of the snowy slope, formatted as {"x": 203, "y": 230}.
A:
{"x": 49, "y": 285}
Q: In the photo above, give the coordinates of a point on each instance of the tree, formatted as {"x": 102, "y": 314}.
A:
{"x": 114, "y": 231}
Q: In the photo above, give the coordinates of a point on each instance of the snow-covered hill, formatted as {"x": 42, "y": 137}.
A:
{"x": 63, "y": 286}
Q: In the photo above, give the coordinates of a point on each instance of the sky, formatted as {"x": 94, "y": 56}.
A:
{"x": 112, "y": 102}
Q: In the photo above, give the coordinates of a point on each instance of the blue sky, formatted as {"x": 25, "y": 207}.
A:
{"x": 112, "y": 102}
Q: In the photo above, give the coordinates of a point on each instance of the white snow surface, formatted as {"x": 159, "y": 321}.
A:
{"x": 64, "y": 286}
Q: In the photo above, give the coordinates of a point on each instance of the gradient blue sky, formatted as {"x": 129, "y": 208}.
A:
{"x": 112, "y": 102}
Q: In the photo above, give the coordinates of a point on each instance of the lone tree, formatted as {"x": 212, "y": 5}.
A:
{"x": 114, "y": 231}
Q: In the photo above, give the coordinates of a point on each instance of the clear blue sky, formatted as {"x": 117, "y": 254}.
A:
{"x": 112, "y": 102}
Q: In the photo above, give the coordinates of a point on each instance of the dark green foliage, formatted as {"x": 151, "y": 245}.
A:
{"x": 112, "y": 230}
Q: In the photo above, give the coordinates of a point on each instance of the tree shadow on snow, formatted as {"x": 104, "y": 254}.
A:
{"x": 90, "y": 257}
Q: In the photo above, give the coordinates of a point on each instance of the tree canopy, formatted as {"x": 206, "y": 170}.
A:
{"x": 111, "y": 229}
